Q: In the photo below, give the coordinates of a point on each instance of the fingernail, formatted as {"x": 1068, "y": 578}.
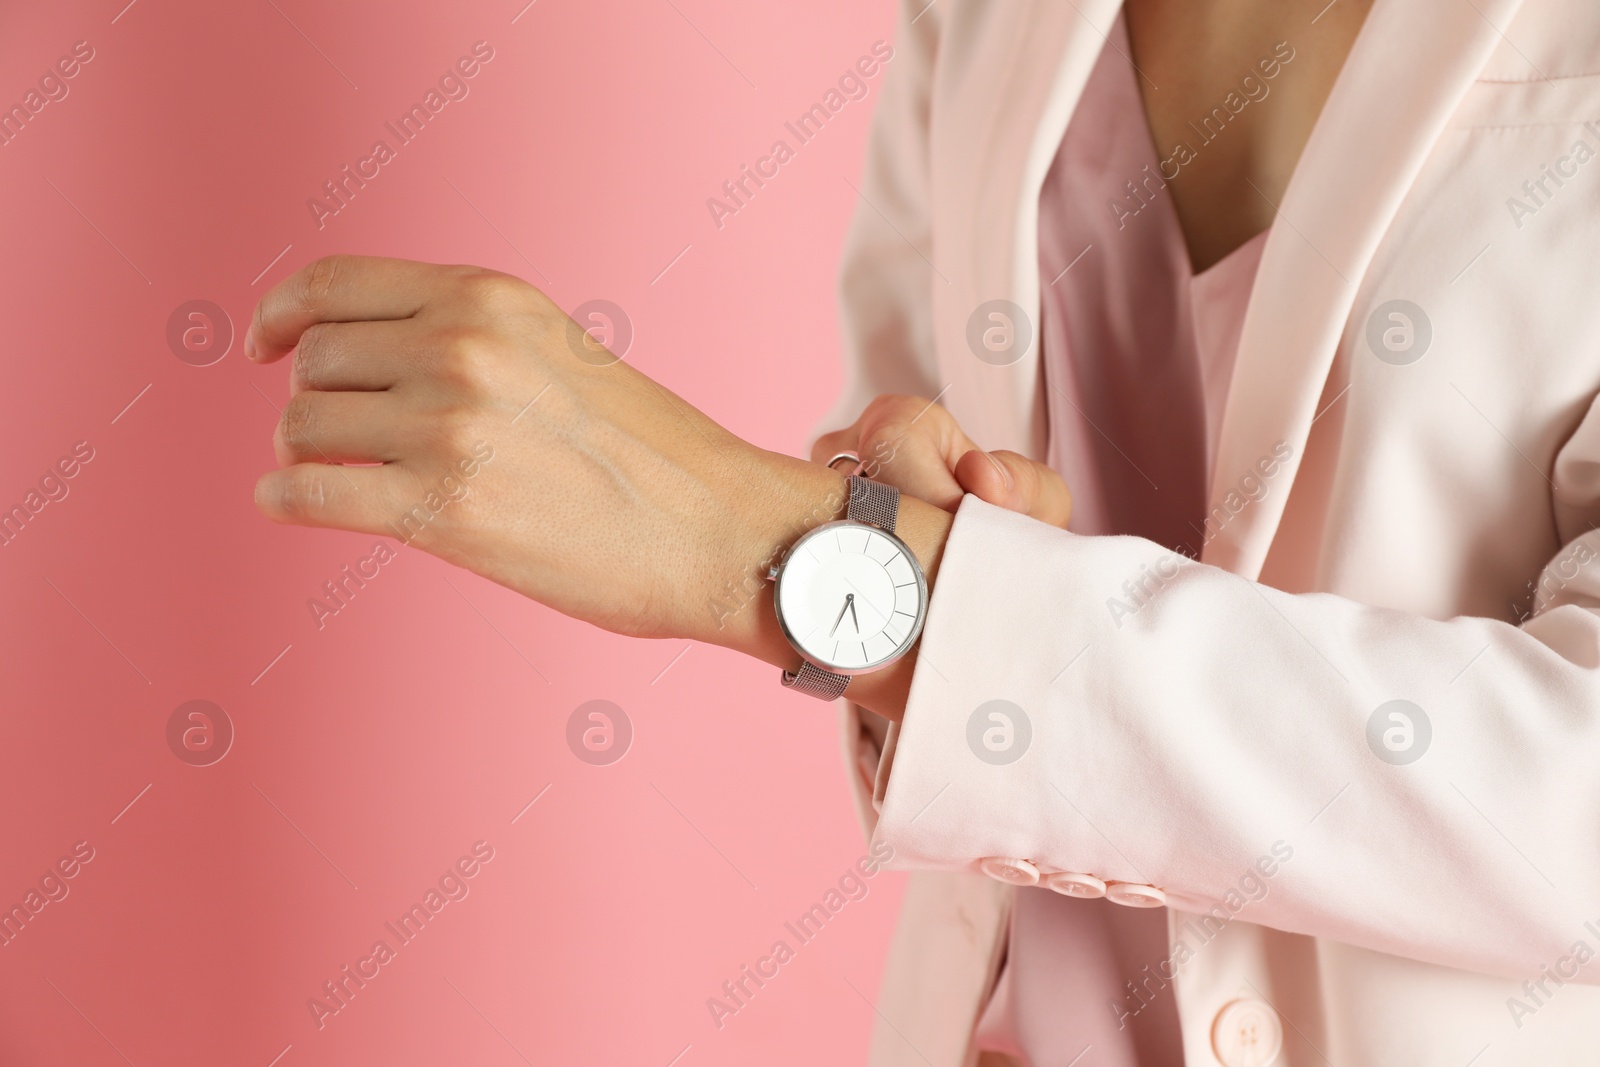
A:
{"x": 250, "y": 343}
{"x": 1005, "y": 472}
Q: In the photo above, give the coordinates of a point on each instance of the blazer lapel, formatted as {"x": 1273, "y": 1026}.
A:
{"x": 1406, "y": 73}
{"x": 1008, "y": 83}
{"x": 1010, "y": 75}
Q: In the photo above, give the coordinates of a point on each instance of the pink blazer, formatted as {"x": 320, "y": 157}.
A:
{"x": 1403, "y": 509}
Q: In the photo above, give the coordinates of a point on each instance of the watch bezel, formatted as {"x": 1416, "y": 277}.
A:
{"x": 781, "y": 570}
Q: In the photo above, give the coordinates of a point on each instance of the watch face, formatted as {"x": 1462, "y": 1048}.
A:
{"x": 851, "y": 597}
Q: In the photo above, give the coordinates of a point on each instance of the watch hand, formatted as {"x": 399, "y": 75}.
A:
{"x": 874, "y": 610}
{"x": 853, "y": 620}
{"x": 848, "y": 598}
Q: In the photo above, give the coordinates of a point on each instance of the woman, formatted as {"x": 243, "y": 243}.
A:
{"x": 1283, "y": 751}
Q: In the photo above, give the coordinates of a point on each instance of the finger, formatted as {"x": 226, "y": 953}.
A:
{"x": 364, "y": 499}
{"x": 337, "y": 289}
{"x": 902, "y": 418}
{"x": 911, "y": 459}
{"x": 319, "y": 427}
{"x": 886, "y": 416}
{"x": 831, "y": 444}
{"x": 345, "y": 356}
{"x": 1009, "y": 480}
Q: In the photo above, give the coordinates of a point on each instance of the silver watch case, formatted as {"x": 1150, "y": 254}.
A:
{"x": 776, "y": 573}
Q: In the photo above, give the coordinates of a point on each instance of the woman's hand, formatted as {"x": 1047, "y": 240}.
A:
{"x": 915, "y": 445}
{"x": 508, "y": 442}
{"x": 459, "y": 410}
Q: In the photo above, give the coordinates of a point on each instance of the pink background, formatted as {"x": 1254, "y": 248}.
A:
{"x": 374, "y": 752}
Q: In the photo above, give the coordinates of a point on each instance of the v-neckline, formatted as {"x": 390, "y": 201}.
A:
{"x": 1123, "y": 42}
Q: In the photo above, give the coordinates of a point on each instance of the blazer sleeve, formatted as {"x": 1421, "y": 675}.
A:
{"x": 1170, "y": 723}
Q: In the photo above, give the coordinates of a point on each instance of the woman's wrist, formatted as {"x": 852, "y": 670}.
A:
{"x": 797, "y": 496}
{"x": 925, "y": 529}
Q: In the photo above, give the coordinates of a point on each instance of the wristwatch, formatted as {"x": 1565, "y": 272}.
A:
{"x": 850, "y": 596}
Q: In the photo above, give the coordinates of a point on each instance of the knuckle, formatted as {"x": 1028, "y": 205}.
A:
{"x": 470, "y": 358}
{"x": 320, "y": 279}
{"x": 890, "y": 419}
{"x": 878, "y": 439}
{"x": 881, "y": 445}
{"x": 299, "y": 416}
{"x": 304, "y": 494}
{"x": 497, "y": 294}
{"x": 316, "y": 353}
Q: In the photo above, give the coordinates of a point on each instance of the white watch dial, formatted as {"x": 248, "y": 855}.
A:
{"x": 851, "y": 597}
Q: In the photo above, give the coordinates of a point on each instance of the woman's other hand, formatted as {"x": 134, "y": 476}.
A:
{"x": 915, "y": 445}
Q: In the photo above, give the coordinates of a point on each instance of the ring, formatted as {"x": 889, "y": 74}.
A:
{"x": 851, "y": 456}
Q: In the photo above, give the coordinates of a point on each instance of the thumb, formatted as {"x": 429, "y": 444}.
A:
{"x": 1017, "y": 483}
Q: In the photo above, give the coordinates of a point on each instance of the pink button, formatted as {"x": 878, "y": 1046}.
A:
{"x": 1246, "y": 1033}
{"x": 1070, "y": 884}
{"x": 1014, "y": 871}
{"x": 1134, "y": 895}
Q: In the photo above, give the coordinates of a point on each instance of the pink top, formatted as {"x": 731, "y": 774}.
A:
{"x": 1138, "y": 352}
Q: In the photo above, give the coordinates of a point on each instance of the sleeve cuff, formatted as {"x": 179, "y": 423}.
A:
{"x": 972, "y": 777}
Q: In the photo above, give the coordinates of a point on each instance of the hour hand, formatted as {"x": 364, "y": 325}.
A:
{"x": 849, "y": 605}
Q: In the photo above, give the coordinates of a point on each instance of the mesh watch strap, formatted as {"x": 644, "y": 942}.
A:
{"x": 814, "y": 681}
{"x": 877, "y": 505}
{"x": 873, "y": 503}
